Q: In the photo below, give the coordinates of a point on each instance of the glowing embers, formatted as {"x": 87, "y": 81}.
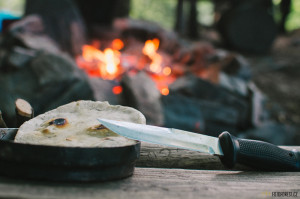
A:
{"x": 104, "y": 64}
{"x": 110, "y": 63}
{"x": 150, "y": 49}
{"x": 165, "y": 91}
{"x": 117, "y": 90}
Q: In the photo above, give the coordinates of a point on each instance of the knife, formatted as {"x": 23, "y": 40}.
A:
{"x": 231, "y": 150}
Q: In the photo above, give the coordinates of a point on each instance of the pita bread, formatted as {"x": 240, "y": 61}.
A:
{"x": 76, "y": 125}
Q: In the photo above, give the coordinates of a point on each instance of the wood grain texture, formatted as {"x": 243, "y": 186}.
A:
{"x": 158, "y": 156}
{"x": 161, "y": 184}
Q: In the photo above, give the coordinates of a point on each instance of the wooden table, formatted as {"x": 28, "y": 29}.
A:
{"x": 164, "y": 172}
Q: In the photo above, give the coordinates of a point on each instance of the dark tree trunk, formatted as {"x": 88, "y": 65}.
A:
{"x": 62, "y": 22}
{"x": 102, "y": 12}
{"x": 285, "y": 8}
{"x": 186, "y": 23}
{"x": 193, "y": 23}
{"x": 179, "y": 23}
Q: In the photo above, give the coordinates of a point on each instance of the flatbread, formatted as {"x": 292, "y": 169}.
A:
{"x": 76, "y": 125}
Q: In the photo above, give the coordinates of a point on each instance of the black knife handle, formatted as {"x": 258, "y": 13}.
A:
{"x": 257, "y": 154}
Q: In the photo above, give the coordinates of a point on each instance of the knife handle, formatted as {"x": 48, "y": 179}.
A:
{"x": 257, "y": 154}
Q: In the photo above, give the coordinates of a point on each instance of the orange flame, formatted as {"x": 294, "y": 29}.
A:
{"x": 117, "y": 44}
{"x": 90, "y": 53}
{"x": 106, "y": 64}
{"x": 165, "y": 91}
{"x": 161, "y": 80}
{"x": 107, "y": 61}
{"x": 111, "y": 61}
{"x": 167, "y": 71}
{"x": 150, "y": 48}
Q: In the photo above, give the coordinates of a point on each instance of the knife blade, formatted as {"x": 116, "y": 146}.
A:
{"x": 231, "y": 150}
{"x": 165, "y": 136}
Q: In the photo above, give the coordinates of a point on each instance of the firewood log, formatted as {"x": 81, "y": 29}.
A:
{"x": 24, "y": 111}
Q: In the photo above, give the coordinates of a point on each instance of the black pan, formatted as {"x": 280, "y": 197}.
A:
{"x": 65, "y": 163}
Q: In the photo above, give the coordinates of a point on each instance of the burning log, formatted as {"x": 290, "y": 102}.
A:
{"x": 2, "y": 122}
{"x": 132, "y": 31}
{"x": 24, "y": 111}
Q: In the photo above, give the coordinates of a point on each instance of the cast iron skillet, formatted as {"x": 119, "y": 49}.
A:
{"x": 65, "y": 163}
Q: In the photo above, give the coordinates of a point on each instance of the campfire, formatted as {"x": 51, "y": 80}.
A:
{"x": 114, "y": 60}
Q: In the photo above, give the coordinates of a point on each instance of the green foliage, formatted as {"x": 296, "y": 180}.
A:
{"x": 205, "y": 13}
{"x": 159, "y": 11}
{"x": 293, "y": 21}
{"x": 163, "y": 11}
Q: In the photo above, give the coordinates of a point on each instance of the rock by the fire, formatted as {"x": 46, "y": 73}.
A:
{"x": 140, "y": 92}
{"x": 47, "y": 81}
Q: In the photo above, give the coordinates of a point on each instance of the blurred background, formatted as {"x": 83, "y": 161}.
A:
{"x": 164, "y": 11}
{"x": 199, "y": 65}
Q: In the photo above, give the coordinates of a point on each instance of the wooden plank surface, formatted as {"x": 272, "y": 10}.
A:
{"x": 158, "y": 156}
{"x": 162, "y": 184}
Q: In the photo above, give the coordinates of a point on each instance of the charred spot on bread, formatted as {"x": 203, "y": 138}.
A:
{"x": 45, "y": 131}
{"x": 100, "y": 130}
{"x": 98, "y": 127}
{"x": 58, "y": 122}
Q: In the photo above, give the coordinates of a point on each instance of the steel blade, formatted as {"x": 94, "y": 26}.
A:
{"x": 165, "y": 136}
